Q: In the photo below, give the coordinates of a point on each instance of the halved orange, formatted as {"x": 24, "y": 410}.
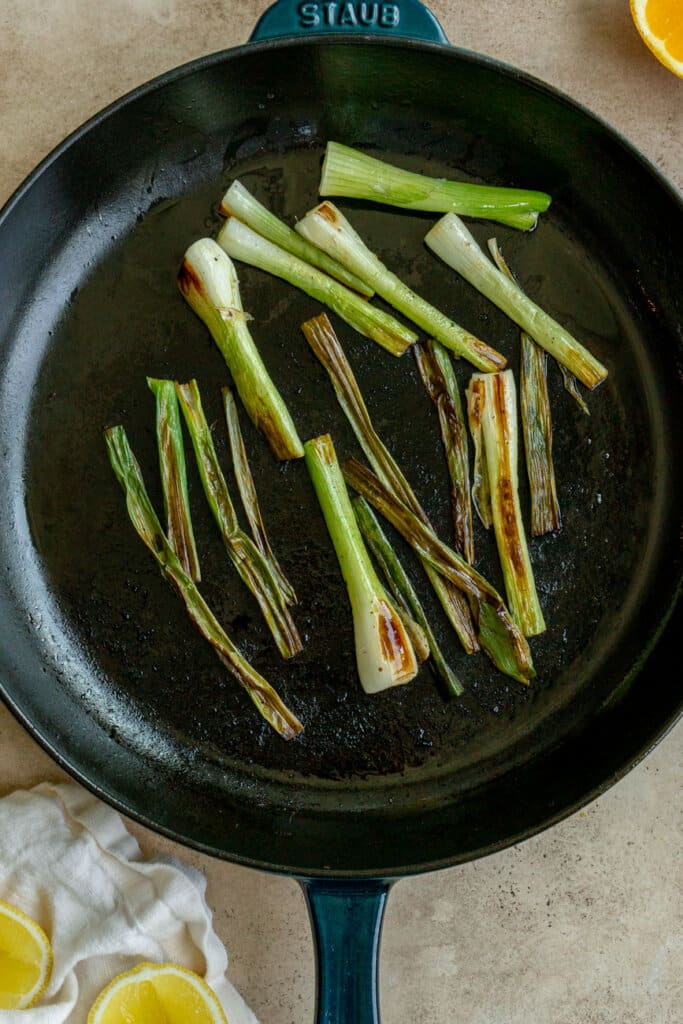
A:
{"x": 25, "y": 959}
{"x": 660, "y": 23}
{"x": 157, "y": 994}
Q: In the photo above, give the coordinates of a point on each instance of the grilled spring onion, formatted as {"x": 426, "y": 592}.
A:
{"x": 174, "y": 476}
{"x": 347, "y": 172}
{"x": 147, "y": 525}
{"x": 325, "y": 344}
{"x": 208, "y": 281}
{"x": 245, "y": 485}
{"x": 252, "y": 567}
{"x": 570, "y": 382}
{"x": 241, "y": 243}
{"x": 450, "y": 239}
{"x": 328, "y": 228}
{"x": 384, "y": 653}
{"x": 445, "y": 560}
{"x": 493, "y": 411}
{"x": 438, "y": 377}
{"x": 239, "y": 202}
{"x": 537, "y": 425}
{"x": 402, "y": 589}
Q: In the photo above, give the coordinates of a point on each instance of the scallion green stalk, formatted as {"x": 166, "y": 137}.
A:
{"x": 384, "y": 653}
{"x": 439, "y": 380}
{"x": 537, "y": 424}
{"x": 447, "y": 562}
{"x": 208, "y": 281}
{"x": 247, "y": 489}
{"x": 497, "y": 412}
{"x": 241, "y": 243}
{"x": 326, "y": 227}
{"x": 324, "y": 342}
{"x": 453, "y": 243}
{"x": 148, "y": 528}
{"x": 347, "y": 172}
{"x": 239, "y": 202}
{"x": 174, "y": 476}
{"x": 402, "y": 589}
{"x": 252, "y": 567}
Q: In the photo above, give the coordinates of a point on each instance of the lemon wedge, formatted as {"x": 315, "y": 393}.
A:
{"x": 660, "y": 23}
{"x": 25, "y": 959}
{"x": 157, "y": 994}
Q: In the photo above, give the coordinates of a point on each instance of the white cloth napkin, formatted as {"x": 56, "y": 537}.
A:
{"x": 68, "y": 861}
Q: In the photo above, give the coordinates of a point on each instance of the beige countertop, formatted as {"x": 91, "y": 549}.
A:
{"x": 583, "y": 924}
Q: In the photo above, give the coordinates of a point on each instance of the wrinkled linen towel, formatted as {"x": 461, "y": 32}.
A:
{"x": 69, "y": 862}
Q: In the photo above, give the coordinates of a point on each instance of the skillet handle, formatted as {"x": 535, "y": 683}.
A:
{"x": 399, "y": 18}
{"x": 346, "y": 918}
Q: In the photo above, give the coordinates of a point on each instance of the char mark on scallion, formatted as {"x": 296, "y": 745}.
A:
{"x": 326, "y": 346}
{"x": 174, "y": 476}
{"x": 208, "y": 281}
{"x": 247, "y": 489}
{"x": 241, "y": 243}
{"x": 348, "y": 172}
{"x": 326, "y": 227}
{"x": 239, "y": 202}
{"x": 148, "y": 528}
{"x": 253, "y": 568}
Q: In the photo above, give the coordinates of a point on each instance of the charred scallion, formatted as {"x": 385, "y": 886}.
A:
{"x": 208, "y": 281}
{"x": 325, "y": 344}
{"x": 447, "y": 562}
{"x": 328, "y": 228}
{"x": 347, "y": 172}
{"x": 251, "y": 565}
{"x": 241, "y": 243}
{"x": 537, "y": 429}
{"x": 239, "y": 202}
{"x": 450, "y": 240}
{"x": 245, "y": 485}
{"x": 495, "y": 416}
{"x": 384, "y": 652}
{"x": 439, "y": 380}
{"x": 174, "y": 476}
{"x": 402, "y": 589}
{"x": 147, "y": 525}
{"x": 537, "y": 425}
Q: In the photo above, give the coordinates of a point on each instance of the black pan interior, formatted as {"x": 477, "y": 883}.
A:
{"x": 97, "y": 655}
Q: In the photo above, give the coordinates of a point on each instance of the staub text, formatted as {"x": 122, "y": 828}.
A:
{"x": 344, "y": 15}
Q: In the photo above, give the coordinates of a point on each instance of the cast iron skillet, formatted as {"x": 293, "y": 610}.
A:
{"x": 97, "y": 658}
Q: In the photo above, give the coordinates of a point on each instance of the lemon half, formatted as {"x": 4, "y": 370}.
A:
{"x": 25, "y": 959}
{"x": 157, "y": 994}
{"x": 660, "y": 23}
